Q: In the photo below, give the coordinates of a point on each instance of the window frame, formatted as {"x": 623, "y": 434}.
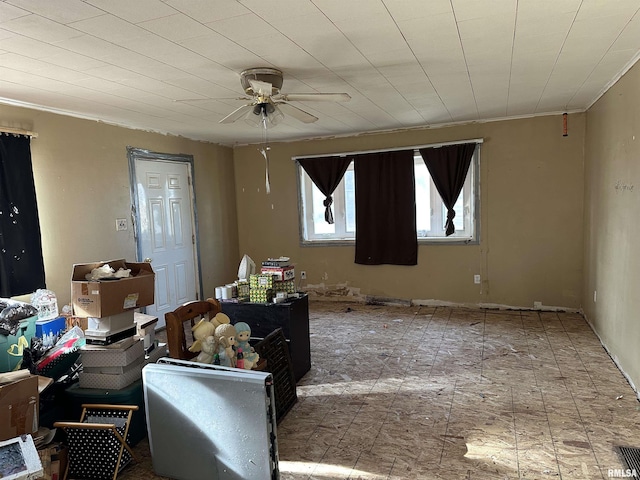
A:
{"x": 320, "y": 241}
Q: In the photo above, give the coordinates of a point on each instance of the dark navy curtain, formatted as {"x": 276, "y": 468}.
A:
{"x": 386, "y": 209}
{"x": 21, "y": 264}
{"x": 448, "y": 166}
{"x": 326, "y": 173}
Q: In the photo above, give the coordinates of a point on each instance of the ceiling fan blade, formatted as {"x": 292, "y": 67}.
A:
{"x": 263, "y": 89}
{"x": 296, "y": 113}
{"x": 237, "y": 114}
{"x": 212, "y": 99}
{"x": 314, "y": 97}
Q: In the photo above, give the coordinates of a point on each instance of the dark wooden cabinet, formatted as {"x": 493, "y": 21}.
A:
{"x": 292, "y": 316}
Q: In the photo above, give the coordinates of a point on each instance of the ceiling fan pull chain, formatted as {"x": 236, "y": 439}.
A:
{"x": 264, "y": 152}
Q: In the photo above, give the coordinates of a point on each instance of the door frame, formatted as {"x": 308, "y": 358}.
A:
{"x": 134, "y": 154}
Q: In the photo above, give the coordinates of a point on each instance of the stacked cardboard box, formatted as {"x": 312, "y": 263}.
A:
{"x": 116, "y": 366}
{"x": 109, "y": 303}
{"x": 110, "y": 329}
{"x": 113, "y": 366}
{"x": 284, "y": 277}
{"x": 261, "y": 287}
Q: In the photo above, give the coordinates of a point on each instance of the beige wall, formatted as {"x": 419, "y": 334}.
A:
{"x": 531, "y": 218}
{"x": 82, "y": 185}
{"x": 612, "y": 226}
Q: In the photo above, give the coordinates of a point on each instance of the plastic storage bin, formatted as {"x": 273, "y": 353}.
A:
{"x": 131, "y": 395}
{"x": 12, "y": 346}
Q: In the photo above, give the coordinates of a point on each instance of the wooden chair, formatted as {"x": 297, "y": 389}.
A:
{"x": 98, "y": 446}
{"x": 190, "y": 313}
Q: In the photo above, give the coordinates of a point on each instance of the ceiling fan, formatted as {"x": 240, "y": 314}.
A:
{"x": 267, "y": 105}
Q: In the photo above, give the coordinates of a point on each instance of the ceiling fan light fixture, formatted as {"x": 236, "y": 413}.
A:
{"x": 264, "y": 115}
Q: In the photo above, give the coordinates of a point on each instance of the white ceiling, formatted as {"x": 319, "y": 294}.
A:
{"x": 405, "y": 63}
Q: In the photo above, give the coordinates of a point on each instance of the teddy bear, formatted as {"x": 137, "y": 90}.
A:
{"x": 243, "y": 331}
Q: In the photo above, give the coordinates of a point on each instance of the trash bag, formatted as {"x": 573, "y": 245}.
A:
{"x": 12, "y": 313}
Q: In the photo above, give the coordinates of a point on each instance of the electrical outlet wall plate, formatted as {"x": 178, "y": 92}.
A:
{"x": 121, "y": 224}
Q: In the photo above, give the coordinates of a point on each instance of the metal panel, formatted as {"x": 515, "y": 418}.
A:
{"x": 206, "y": 421}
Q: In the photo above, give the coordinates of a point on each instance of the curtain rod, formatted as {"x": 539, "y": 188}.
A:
{"x": 18, "y": 131}
{"x": 396, "y": 149}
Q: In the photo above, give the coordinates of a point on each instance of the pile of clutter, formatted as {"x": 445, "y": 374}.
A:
{"x": 119, "y": 340}
{"x": 220, "y": 343}
{"x": 275, "y": 283}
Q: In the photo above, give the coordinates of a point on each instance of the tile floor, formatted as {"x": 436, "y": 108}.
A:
{"x": 447, "y": 393}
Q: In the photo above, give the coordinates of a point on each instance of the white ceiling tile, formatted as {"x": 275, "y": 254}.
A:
{"x": 175, "y": 27}
{"x": 208, "y": 11}
{"x": 10, "y": 12}
{"x": 73, "y": 61}
{"x": 109, "y": 28}
{"x": 28, "y": 47}
{"x": 221, "y": 50}
{"x": 134, "y": 12}
{"x": 61, "y": 11}
{"x": 466, "y": 10}
{"x": 6, "y": 34}
{"x": 403, "y": 10}
{"x": 630, "y": 37}
{"x": 373, "y": 34}
{"x": 39, "y": 28}
{"x": 240, "y": 27}
{"x": 282, "y": 11}
{"x": 91, "y": 46}
{"x": 557, "y": 24}
{"x": 351, "y": 10}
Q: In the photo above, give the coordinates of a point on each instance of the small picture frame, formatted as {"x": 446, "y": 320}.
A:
{"x": 19, "y": 459}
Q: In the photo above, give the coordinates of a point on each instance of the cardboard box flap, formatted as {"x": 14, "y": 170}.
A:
{"x": 80, "y": 270}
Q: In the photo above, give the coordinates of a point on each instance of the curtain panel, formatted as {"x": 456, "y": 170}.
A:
{"x": 21, "y": 263}
{"x": 448, "y": 166}
{"x": 326, "y": 173}
{"x": 385, "y": 209}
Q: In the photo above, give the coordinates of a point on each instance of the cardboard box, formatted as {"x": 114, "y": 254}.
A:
{"x": 281, "y": 273}
{"x": 82, "y": 322}
{"x": 50, "y": 330}
{"x": 119, "y": 370}
{"x": 108, "y": 381}
{"x": 111, "y": 323}
{"x": 104, "y": 298}
{"x": 259, "y": 280}
{"x": 111, "y": 357}
{"x": 54, "y": 461}
{"x": 19, "y": 401}
{"x": 146, "y": 328}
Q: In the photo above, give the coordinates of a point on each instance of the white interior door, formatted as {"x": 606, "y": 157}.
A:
{"x": 166, "y": 233}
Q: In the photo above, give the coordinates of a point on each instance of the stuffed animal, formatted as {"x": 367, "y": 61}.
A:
{"x": 225, "y": 340}
{"x": 243, "y": 331}
{"x": 208, "y": 350}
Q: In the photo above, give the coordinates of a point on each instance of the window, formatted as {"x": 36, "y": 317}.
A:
{"x": 431, "y": 214}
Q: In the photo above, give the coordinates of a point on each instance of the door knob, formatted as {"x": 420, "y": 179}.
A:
{"x": 147, "y": 260}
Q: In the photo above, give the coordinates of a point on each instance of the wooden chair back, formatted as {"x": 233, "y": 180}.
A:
{"x": 186, "y": 316}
